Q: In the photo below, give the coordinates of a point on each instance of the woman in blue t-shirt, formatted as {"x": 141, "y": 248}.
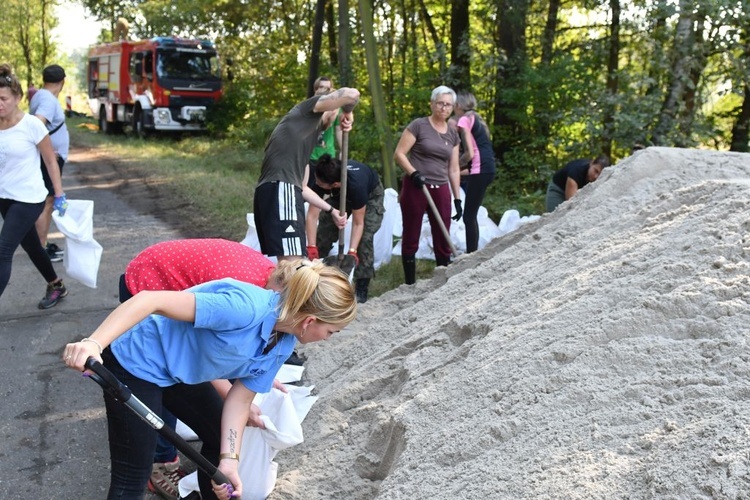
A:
{"x": 168, "y": 346}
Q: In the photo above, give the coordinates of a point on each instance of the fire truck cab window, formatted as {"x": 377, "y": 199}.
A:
{"x": 186, "y": 65}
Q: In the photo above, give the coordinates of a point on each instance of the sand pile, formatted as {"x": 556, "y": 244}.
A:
{"x": 599, "y": 352}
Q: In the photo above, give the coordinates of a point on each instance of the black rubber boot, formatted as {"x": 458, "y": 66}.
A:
{"x": 361, "y": 290}
{"x": 410, "y": 269}
{"x": 442, "y": 261}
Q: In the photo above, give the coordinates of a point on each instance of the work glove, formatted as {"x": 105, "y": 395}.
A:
{"x": 312, "y": 253}
{"x": 459, "y": 209}
{"x": 418, "y": 179}
{"x": 60, "y": 204}
{"x": 353, "y": 253}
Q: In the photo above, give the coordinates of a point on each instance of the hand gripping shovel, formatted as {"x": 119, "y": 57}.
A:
{"x": 436, "y": 214}
{"x": 343, "y": 260}
{"x": 122, "y": 394}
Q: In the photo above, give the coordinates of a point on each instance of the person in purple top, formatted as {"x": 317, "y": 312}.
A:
{"x": 428, "y": 154}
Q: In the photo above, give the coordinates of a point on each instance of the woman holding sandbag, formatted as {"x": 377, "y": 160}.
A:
{"x": 22, "y": 193}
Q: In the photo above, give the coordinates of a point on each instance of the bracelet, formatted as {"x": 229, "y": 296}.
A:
{"x": 86, "y": 339}
{"x": 230, "y": 456}
{"x": 330, "y": 210}
{"x": 352, "y": 250}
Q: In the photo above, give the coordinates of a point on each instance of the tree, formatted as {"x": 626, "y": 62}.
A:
{"x": 459, "y": 71}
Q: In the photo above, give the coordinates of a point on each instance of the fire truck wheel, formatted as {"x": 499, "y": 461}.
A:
{"x": 139, "y": 128}
{"x": 104, "y": 125}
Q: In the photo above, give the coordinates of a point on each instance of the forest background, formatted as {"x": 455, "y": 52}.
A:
{"x": 556, "y": 80}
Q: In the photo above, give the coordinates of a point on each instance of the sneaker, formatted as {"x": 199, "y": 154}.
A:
{"x": 164, "y": 479}
{"x": 55, "y": 252}
{"x": 54, "y": 294}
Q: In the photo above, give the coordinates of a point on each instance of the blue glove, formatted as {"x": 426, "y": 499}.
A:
{"x": 459, "y": 209}
{"x": 60, "y": 204}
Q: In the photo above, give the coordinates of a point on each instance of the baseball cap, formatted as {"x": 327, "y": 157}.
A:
{"x": 53, "y": 74}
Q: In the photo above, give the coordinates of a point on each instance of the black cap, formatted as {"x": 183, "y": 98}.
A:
{"x": 53, "y": 74}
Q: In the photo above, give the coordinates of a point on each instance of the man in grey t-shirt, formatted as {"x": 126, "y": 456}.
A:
{"x": 46, "y": 106}
{"x": 278, "y": 204}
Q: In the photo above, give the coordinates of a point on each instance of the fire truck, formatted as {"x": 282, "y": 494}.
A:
{"x": 161, "y": 84}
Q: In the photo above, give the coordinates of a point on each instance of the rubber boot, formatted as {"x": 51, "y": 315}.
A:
{"x": 442, "y": 261}
{"x": 361, "y": 290}
{"x": 410, "y": 269}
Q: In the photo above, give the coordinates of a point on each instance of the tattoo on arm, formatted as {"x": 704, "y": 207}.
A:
{"x": 232, "y": 441}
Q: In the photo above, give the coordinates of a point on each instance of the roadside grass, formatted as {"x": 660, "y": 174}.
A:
{"x": 214, "y": 178}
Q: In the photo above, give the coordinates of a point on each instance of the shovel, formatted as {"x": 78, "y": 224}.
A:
{"x": 436, "y": 214}
{"x": 122, "y": 394}
{"x": 343, "y": 260}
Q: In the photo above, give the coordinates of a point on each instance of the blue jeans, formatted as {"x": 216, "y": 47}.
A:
{"x": 18, "y": 229}
{"x": 132, "y": 441}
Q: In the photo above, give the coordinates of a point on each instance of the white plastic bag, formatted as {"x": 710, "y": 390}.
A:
{"x": 82, "y": 252}
{"x": 282, "y": 415}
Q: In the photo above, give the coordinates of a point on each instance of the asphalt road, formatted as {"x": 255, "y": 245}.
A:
{"x": 52, "y": 422}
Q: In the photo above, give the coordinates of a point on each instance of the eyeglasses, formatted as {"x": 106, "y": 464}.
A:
{"x": 443, "y": 105}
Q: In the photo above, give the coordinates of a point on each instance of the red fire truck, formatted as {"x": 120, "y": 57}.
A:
{"x": 161, "y": 84}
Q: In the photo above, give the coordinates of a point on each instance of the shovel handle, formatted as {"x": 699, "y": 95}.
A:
{"x": 435, "y": 213}
{"x": 112, "y": 385}
{"x": 342, "y": 192}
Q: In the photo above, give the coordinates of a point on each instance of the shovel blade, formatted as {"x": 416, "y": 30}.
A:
{"x": 344, "y": 262}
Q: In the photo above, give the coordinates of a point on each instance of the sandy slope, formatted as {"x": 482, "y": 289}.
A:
{"x": 599, "y": 352}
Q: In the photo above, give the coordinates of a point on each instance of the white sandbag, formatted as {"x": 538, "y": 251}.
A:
{"x": 82, "y": 252}
{"x": 282, "y": 415}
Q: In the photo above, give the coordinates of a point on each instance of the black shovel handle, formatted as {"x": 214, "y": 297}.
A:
{"x": 121, "y": 393}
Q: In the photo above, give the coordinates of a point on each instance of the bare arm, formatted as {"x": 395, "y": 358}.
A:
{"x": 234, "y": 417}
{"x": 50, "y": 161}
{"x": 175, "y": 305}
{"x": 571, "y": 188}
{"x": 311, "y": 225}
{"x": 358, "y": 227}
{"x": 403, "y": 147}
{"x": 468, "y": 142}
{"x": 344, "y": 97}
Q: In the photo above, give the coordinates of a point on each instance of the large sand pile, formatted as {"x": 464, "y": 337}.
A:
{"x": 599, "y": 352}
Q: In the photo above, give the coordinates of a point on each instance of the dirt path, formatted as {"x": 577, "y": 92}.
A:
{"x": 139, "y": 188}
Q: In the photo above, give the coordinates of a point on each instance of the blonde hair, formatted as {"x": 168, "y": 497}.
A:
{"x": 281, "y": 274}
{"x": 316, "y": 289}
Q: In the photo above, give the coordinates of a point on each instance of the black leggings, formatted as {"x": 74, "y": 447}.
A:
{"x": 476, "y": 186}
{"x": 132, "y": 441}
{"x": 18, "y": 229}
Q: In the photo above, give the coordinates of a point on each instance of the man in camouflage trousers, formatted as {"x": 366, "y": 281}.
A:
{"x": 364, "y": 201}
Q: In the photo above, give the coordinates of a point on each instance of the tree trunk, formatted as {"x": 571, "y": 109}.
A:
{"x": 332, "y": 35}
{"x": 550, "y": 30}
{"x": 345, "y": 49}
{"x": 459, "y": 72}
{"x": 317, "y": 42}
{"x": 741, "y": 128}
{"x": 376, "y": 91}
{"x": 613, "y": 69}
{"x": 680, "y": 75}
{"x": 436, "y": 40}
{"x": 509, "y": 115}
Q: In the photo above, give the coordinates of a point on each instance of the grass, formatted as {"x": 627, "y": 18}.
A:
{"x": 215, "y": 178}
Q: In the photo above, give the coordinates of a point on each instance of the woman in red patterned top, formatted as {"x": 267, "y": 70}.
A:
{"x": 180, "y": 264}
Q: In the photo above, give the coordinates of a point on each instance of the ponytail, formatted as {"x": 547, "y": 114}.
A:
{"x": 316, "y": 289}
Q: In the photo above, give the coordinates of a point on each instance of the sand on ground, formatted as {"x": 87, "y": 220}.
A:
{"x": 599, "y": 352}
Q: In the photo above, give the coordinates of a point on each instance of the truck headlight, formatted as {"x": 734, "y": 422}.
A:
{"x": 162, "y": 116}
